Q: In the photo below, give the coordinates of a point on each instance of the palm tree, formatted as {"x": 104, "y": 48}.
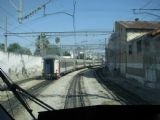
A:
{"x": 42, "y": 43}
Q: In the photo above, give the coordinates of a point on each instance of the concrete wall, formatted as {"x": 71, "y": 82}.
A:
{"x": 144, "y": 66}
{"x": 20, "y": 67}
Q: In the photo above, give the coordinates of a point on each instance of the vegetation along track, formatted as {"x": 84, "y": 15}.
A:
{"x": 119, "y": 93}
{"x": 74, "y": 96}
{"x": 35, "y": 90}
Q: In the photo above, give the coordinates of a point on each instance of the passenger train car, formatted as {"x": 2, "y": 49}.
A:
{"x": 54, "y": 67}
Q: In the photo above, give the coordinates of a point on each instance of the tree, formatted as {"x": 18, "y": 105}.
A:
{"x": 66, "y": 53}
{"x": 26, "y": 51}
{"x": 42, "y": 42}
{"x": 16, "y": 48}
{"x": 37, "y": 52}
{"x": 53, "y": 50}
{"x": 57, "y": 40}
{"x": 1, "y": 46}
{"x": 81, "y": 56}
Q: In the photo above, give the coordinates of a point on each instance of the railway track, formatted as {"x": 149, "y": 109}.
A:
{"x": 26, "y": 80}
{"x": 119, "y": 93}
{"x": 74, "y": 96}
{"x": 35, "y": 90}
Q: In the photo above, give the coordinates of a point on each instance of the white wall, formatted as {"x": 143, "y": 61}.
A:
{"x": 132, "y": 35}
{"x": 12, "y": 64}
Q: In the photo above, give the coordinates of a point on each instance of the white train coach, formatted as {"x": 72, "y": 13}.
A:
{"x": 54, "y": 67}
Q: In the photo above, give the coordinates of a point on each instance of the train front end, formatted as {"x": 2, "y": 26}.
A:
{"x": 50, "y": 68}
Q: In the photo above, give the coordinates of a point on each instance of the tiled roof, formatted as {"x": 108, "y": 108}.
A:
{"x": 140, "y": 24}
{"x": 154, "y": 33}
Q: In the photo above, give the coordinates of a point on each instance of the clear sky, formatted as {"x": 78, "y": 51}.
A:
{"x": 89, "y": 15}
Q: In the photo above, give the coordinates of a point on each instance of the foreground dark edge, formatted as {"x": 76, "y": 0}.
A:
{"x": 99, "y": 112}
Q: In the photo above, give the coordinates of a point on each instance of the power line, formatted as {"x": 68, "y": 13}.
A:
{"x": 13, "y": 17}
{"x": 59, "y": 12}
{"x": 13, "y": 4}
{"x": 152, "y": 14}
{"x": 11, "y": 24}
{"x": 18, "y": 35}
{"x": 6, "y": 11}
{"x": 70, "y": 33}
{"x": 18, "y": 28}
{"x": 149, "y": 2}
{"x": 27, "y": 16}
{"x": 144, "y": 11}
{"x": 147, "y": 11}
{"x": 155, "y": 9}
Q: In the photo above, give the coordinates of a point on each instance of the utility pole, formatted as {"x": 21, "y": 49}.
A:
{"x": 20, "y": 15}
{"x": 34, "y": 11}
{"x": 60, "y": 49}
{"x": 5, "y": 33}
{"x": 106, "y": 51}
{"x": 41, "y": 46}
{"x": 74, "y": 28}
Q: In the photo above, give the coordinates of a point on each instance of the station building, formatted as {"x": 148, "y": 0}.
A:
{"x": 133, "y": 50}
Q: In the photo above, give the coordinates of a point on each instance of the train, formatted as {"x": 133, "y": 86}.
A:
{"x": 55, "y": 67}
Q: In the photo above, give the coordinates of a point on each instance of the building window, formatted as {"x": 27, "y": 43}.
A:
{"x": 130, "y": 49}
{"x": 139, "y": 46}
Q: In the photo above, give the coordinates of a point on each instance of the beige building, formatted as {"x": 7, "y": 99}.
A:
{"x": 126, "y": 31}
{"x": 118, "y": 49}
{"x": 143, "y": 59}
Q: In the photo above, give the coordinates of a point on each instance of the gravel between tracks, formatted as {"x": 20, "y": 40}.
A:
{"x": 95, "y": 92}
{"x": 55, "y": 94}
{"x": 26, "y": 86}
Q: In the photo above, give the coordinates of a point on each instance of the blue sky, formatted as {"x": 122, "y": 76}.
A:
{"x": 90, "y": 15}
